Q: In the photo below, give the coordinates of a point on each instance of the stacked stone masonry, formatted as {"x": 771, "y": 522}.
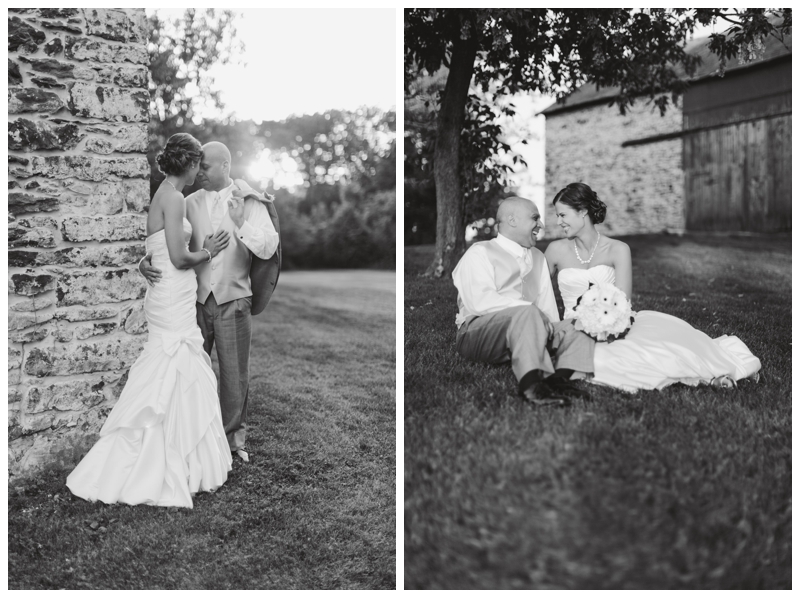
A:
{"x": 642, "y": 185}
{"x": 78, "y": 191}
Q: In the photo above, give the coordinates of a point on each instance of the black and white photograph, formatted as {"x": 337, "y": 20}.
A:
{"x": 202, "y": 298}
{"x": 597, "y": 299}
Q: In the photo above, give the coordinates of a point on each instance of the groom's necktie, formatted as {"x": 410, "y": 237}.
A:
{"x": 527, "y": 264}
{"x": 217, "y": 210}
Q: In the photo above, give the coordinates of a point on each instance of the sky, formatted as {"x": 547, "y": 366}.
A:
{"x": 302, "y": 61}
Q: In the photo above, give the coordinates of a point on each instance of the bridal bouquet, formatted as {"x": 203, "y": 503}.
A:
{"x": 604, "y": 312}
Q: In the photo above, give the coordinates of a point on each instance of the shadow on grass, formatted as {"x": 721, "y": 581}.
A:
{"x": 683, "y": 488}
{"x": 315, "y": 507}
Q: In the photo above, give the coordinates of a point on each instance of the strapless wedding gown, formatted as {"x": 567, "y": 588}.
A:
{"x": 163, "y": 440}
{"x": 659, "y": 349}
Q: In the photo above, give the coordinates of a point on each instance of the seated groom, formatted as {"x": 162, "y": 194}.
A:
{"x": 507, "y": 310}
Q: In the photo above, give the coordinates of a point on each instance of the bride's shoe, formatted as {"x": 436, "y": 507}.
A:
{"x": 242, "y": 454}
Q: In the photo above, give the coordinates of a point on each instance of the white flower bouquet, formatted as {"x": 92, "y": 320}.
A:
{"x": 604, "y": 313}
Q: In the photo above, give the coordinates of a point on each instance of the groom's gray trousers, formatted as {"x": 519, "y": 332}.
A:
{"x": 527, "y": 338}
{"x": 230, "y": 326}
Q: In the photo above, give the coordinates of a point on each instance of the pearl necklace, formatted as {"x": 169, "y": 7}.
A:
{"x": 171, "y": 183}
{"x": 577, "y": 255}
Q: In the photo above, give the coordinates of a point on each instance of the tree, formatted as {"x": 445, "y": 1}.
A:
{"x": 484, "y": 176}
{"x": 554, "y": 51}
{"x": 181, "y": 53}
{"x": 334, "y": 145}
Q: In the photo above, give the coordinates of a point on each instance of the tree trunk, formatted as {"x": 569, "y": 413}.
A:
{"x": 450, "y": 226}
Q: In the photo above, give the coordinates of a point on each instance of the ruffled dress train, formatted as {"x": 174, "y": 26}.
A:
{"x": 163, "y": 441}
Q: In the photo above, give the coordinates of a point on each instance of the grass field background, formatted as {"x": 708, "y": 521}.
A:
{"x": 683, "y": 488}
{"x": 314, "y": 508}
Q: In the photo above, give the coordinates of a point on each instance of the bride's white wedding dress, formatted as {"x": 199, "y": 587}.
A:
{"x": 659, "y": 349}
{"x": 163, "y": 440}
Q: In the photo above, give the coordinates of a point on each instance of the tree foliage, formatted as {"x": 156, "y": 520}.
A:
{"x": 483, "y": 173}
{"x": 553, "y": 51}
{"x": 337, "y": 145}
{"x": 182, "y": 51}
{"x": 345, "y": 214}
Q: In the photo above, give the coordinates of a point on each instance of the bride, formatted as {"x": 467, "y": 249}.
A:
{"x": 659, "y": 349}
{"x": 163, "y": 440}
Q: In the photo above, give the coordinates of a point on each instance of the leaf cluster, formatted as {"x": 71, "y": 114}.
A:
{"x": 182, "y": 52}
{"x": 555, "y": 51}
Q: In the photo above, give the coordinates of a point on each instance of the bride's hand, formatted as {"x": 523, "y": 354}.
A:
{"x": 217, "y": 242}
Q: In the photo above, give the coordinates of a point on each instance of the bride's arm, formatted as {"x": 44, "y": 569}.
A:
{"x": 179, "y": 255}
{"x": 623, "y": 270}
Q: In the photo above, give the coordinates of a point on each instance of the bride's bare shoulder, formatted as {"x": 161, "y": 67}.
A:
{"x": 168, "y": 200}
{"x": 618, "y": 248}
{"x": 617, "y": 244}
{"x": 556, "y": 248}
{"x": 167, "y": 193}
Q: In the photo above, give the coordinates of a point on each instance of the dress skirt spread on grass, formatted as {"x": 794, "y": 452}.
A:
{"x": 659, "y": 349}
{"x": 163, "y": 441}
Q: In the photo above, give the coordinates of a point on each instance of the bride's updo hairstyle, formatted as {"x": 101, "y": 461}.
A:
{"x": 181, "y": 152}
{"x": 580, "y": 196}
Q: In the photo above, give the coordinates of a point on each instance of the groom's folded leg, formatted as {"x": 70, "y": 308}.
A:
{"x": 516, "y": 333}
{"x": 527, "y": 337}
{"x": 573, "y": 349}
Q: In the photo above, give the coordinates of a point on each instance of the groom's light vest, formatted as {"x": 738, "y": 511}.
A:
{"x": 506, "y": 273}
{"x": 228, "y": 274}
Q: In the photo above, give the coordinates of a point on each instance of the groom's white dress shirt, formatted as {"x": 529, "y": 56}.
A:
{"x": 474, "y": 277}
{"x": 257, "y": 232}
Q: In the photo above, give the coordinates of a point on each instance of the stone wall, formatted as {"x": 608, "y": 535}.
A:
{"x": 642, "y": 185}
{"x": 78, "y": 188}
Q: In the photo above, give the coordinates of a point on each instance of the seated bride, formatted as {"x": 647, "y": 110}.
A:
{"x": 659, "y": 349}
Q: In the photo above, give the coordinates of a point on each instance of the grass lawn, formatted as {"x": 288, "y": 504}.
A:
{"x": 683, "y": 488}
{"x": 314, "y": 508}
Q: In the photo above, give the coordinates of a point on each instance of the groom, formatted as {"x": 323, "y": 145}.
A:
{"x": 237, "y": 283}
{"x": 507, "y": 310}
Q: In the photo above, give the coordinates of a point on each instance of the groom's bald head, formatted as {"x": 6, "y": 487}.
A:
{"x": 217, "y": 150}
{"x": 518, "y": 220}
{"x": 215, "y": 167}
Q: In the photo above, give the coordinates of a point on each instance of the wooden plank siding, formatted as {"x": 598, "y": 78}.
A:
{"x": 738, "y": 177}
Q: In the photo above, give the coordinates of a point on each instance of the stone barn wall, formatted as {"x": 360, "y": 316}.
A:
{"x": 642, "y": 185}
{"x": 78, "y": 190}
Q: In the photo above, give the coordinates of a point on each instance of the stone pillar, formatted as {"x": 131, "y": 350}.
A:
{"x": 78, "y": 191}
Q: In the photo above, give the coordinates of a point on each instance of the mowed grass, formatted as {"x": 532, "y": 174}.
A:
{"x": 683, "y": 488}
{"x": 314, "y": 508}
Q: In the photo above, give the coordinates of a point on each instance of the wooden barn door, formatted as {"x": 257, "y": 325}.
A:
{"x": 738, "y": 177}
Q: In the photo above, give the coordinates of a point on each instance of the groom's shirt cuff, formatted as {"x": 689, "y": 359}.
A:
{"x": 258, "y": 233}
